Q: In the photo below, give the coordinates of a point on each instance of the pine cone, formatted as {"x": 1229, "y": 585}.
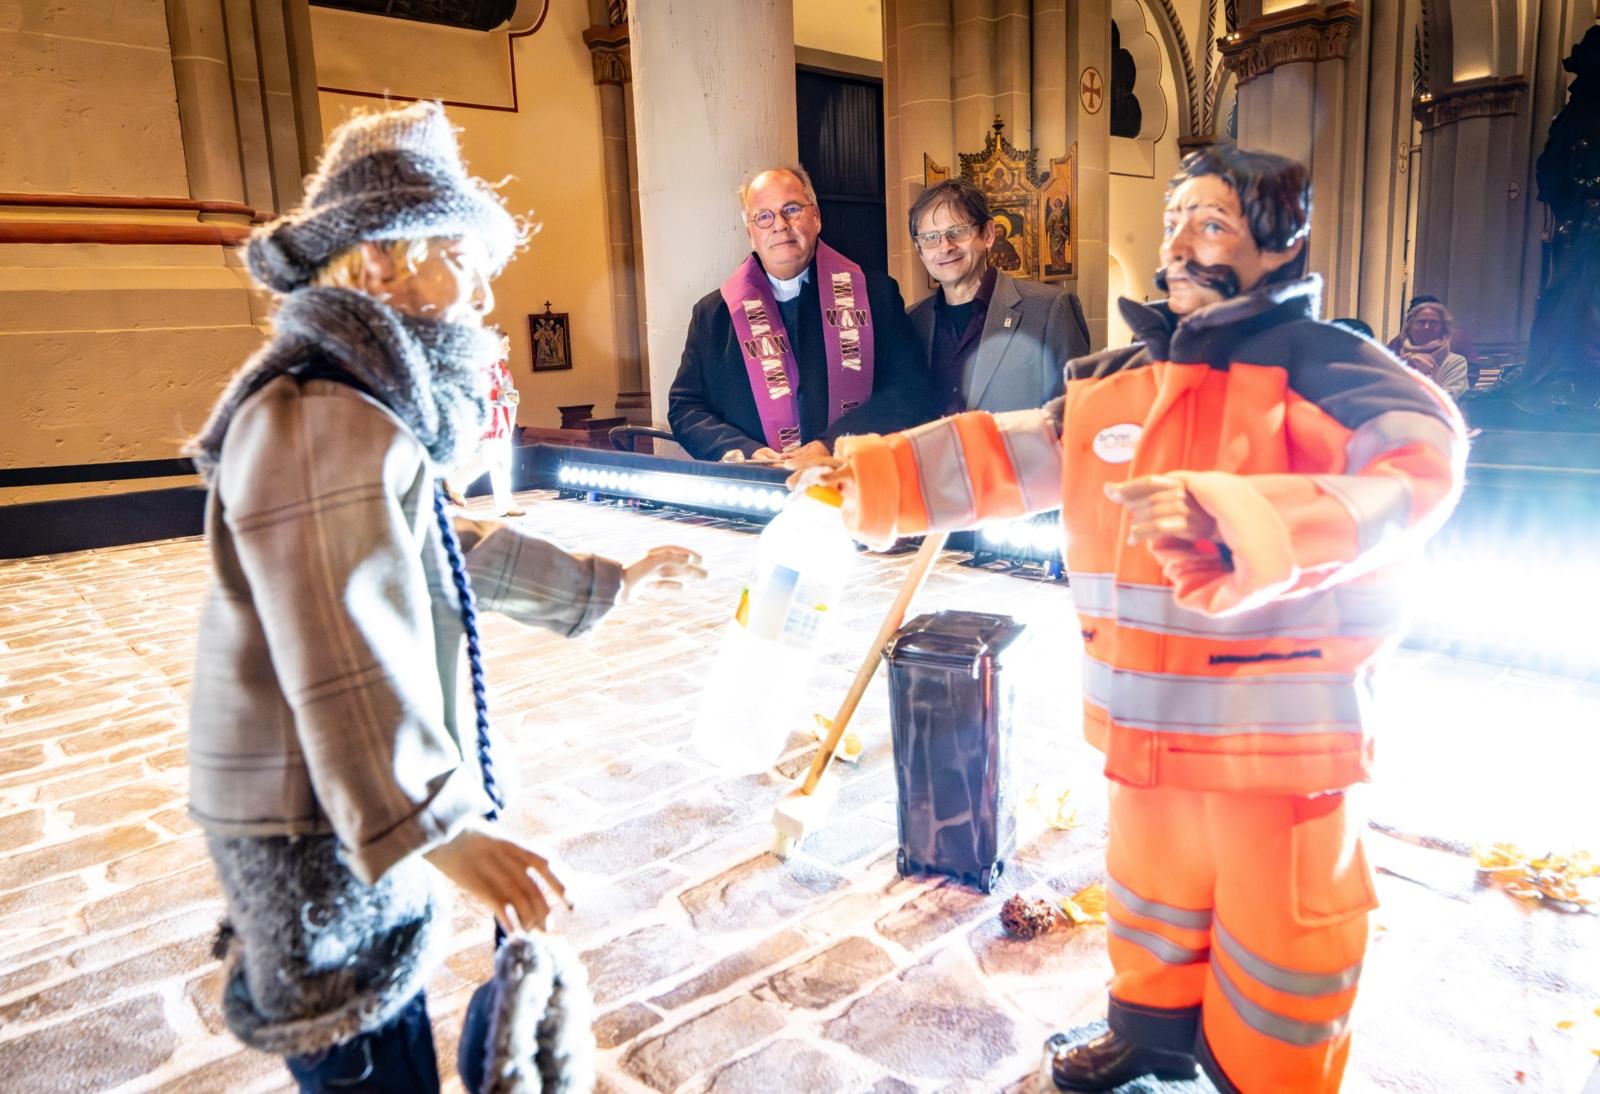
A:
{"x": 1024, "y": 918}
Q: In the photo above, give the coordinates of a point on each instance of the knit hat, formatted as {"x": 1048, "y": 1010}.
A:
{"x": 385, "y": 176}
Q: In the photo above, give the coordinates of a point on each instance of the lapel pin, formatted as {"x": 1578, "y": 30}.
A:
{"x": 1008, "y": 322}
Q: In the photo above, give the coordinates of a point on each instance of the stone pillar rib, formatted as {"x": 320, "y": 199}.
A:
{"x": 608, "y": 48}
{"x": 734, "y": 59}
{"x": 973, "y": 70}
{"x": 278, "y": 101}
{"x": 245, "y": 61}
{"x": 923, "y": 64}
{"x": 201, "y": 74}
{"x": 1013, "y": 65}
{"x": 1050, "y": 79}
{"x": 1089, "y": 45}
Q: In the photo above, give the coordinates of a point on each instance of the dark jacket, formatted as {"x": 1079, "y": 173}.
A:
{"x": 1030, "y": 332}
{"x": 712, "y": 410}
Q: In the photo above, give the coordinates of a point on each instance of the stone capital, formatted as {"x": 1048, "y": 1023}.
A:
{"x": 1483, "y": 98}
{"x": 608, "y": 50}
{"x": 1306, "y": 33}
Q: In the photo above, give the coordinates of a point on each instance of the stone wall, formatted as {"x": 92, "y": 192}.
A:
{"x": 140, "y": 141}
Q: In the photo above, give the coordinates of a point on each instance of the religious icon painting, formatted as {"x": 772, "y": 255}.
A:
{"x": 1010, "y": 250}
{"x": 1010, "y": 179}
{"x": 1060, "y": 230}
{"x": 551, "y": 339}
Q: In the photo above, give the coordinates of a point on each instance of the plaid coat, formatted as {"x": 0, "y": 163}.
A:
{"x": 331, "y": 692}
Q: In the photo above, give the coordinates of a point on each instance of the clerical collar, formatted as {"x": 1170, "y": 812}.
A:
{"x": 788, "y": 289}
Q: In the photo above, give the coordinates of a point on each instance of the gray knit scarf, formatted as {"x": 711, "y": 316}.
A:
{"x": 431, "y": 374}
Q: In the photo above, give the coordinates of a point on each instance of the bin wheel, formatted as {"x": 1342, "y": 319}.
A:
{"x": 900, "y": 862}
{"x": 990, "y": 874}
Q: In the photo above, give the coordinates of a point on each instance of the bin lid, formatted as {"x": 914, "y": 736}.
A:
{"x": 958, "y": 640}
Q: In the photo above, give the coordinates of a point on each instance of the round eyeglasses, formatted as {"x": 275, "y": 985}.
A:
{"x": 790, "y": 213}
{"x": 956, "y": 233}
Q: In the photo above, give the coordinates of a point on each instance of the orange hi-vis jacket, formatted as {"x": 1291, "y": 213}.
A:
{"x": 1243, "y": 665}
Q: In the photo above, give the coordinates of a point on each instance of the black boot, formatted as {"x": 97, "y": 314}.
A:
{"x": 1107, "y": 1062}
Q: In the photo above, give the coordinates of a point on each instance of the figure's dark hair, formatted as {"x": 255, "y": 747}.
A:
{"x": 961, "y": 194}
{"x": 1274, "y": 193}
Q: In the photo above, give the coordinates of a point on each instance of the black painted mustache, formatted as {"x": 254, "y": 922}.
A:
{"x": 1219, "y": 279}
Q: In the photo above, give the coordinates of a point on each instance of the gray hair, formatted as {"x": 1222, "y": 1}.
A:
{"x": 793, "y": 168}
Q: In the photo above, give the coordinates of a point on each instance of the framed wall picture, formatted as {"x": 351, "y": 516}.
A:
{"x": 1058, "y": 205}
{"x": 551, "y": 338}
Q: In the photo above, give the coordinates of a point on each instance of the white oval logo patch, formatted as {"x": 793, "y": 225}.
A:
{"x": 1116, "y": 443}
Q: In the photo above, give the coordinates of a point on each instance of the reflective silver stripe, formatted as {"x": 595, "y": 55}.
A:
{"x": 1291, "y": 1031}
{"x": 1188, "y": 918}
{"x": 1284, "y": 703}
{"x": 1034, "y": 448}
{"x": 1309, "y": 984}
{"x": 1167, "y": 951}
{"x": 1346, "y": 611}
{"x": 1379, "y": 504}
{"x": 1396, "y": 429}
{"x": 942, "y": 473}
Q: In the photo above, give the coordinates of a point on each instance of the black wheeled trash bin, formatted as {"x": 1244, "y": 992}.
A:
{"x": 950, "y": 709}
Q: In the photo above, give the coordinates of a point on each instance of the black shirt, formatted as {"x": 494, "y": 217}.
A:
{"x": 956, "y": 329}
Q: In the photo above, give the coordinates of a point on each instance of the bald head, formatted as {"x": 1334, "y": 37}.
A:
{"x": 781, "y": 218}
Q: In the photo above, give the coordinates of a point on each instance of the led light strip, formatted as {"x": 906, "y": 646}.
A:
{"x": 669, "y": 489}
{"x": 1038, "y": 538}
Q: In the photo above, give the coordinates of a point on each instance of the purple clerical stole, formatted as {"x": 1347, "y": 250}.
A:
{"x": 769, "y": 352}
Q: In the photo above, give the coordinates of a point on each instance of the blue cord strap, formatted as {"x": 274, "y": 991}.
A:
{"x": 480, "y": 691}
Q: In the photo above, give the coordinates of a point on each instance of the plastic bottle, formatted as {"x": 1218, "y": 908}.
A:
{"x": 755, "y": 696}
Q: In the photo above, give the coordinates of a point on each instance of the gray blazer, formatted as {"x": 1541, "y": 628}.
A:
{"x": 1030, "y": 332}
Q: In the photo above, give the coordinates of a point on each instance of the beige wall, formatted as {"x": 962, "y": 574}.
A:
{"x": 89, "y": 100}
{"x": 108, "y": 353}
{"x": 853, "y": 28}
{"x": 548, "y": 150}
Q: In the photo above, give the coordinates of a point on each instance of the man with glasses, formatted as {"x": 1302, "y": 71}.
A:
{"x": 798, "y": 347}
{"x": 992, "y": 342}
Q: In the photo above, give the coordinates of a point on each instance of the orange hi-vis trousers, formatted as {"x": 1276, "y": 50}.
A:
{"x": 1237, "y": 924}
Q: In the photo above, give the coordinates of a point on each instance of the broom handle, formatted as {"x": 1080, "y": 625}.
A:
{"x": 932, "y": 544}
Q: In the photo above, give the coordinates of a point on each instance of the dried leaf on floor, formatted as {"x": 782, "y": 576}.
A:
{"x": 1087, "y": 905}
{"x": 1054, "y": 806}
{"x": 849, "y": 749}
{"x": 1572, "y": 880}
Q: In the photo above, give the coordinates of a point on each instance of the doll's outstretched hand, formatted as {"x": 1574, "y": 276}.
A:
{"x": 1161, "y": 507}
{"x": 661, "y": 568}
{"x": 829, "y": 471}
{"x": 500, "y": 872}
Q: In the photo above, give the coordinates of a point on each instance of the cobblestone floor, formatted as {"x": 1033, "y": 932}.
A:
{"x": 715, "y": 967}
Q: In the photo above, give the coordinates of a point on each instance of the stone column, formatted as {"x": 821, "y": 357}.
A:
{"x": 1050, "y": 79}
{"x": 1473, "y": 207}
{"x": 1302, "y": 93}
{"x": 1380, "y": 258}
{"x": 1484, "y": 122}
{"x": 202, "y": 71}
{"x": 734, "y": 61}
{"x": 608, "y": 48}
{"x": 1089, "y": 46}
{"x": 919, "y": 65}
{"x": 1013, "y": 62}
{"x": 972, "y": 87}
